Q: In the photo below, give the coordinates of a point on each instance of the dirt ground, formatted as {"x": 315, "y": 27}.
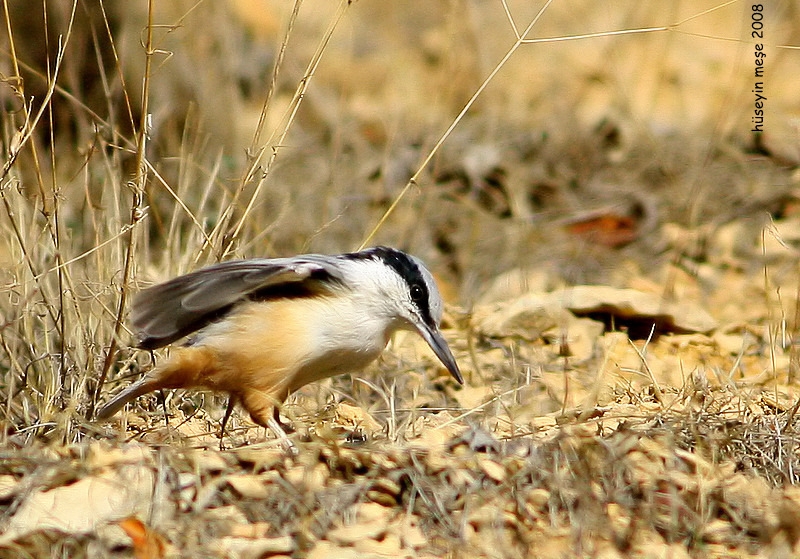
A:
{"x": 617, "y": 248}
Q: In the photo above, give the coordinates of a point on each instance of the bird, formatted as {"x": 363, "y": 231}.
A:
{"x": 259, "y": 329}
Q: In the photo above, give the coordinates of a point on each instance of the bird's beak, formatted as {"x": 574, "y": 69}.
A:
{"x": 439, "y": 346}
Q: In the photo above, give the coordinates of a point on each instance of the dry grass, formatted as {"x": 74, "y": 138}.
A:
{"x": 143, "y": 141}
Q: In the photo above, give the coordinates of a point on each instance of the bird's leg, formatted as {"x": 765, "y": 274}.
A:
{"x": 277, "y": 428}
{"x": 259, "y": 405}
{"x": 164, "y": 405}
{"x": 228, "y": 411}
{"x": 276, "y": 415}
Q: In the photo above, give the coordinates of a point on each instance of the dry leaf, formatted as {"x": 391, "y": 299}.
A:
{"x": 493, "y": 470}
{"x": 260, "y": 458}
{"x": 79, "y": 508}
{"x": 207, "y": 461}
{"x": 147, "y": 544}
{"x": 387, "y": 546}
{"x": 349, "y": 535}
{"x": 607, "y": 229}
{"x": 355, "y": 417}
{"x": 328, "y": 550}
{"x": 248, "y": 486}
{"x": 8, "y": 486}
{"x": 251, "y": 530}
{"x": 103, "y": 456}
{"x": 718, "y": 531}
{"x": 307, "y": 478}
{"x": 411, "y": 535}
{"x": 249, "y": 548}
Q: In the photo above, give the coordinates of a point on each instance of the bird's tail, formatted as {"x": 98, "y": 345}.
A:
{"x": 142, "y": 386}
{"x": 187, "y": 367}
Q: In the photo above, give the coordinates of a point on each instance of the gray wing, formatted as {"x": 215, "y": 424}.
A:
{"x": 171, "y": 310}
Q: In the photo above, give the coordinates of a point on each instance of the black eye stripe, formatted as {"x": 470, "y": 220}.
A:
{"x": 407, "y": 269}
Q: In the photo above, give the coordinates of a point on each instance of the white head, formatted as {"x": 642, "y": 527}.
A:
{"x": 408, "y": 292}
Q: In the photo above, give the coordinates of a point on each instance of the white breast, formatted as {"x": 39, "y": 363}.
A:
{"x": 347, "y": 333}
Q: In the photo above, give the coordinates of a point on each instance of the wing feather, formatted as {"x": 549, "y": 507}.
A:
{"x": 171, "y": 310}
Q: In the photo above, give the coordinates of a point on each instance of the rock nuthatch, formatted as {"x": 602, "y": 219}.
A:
{"x": 262, "y": 328}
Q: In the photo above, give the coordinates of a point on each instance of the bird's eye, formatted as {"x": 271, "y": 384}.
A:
{"x": 417, "y": 293}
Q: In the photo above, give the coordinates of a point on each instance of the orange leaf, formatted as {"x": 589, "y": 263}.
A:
{"x": 146, "y": 543}
{"x": 609, "y": 230}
